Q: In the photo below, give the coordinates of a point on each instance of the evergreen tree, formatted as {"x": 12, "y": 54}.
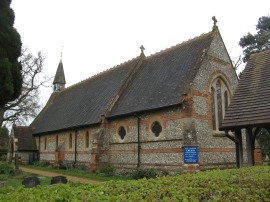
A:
{"x": 4, "y": 138}
{"x": 10, "y": 51}
{"x": 259, "y": 41}
{"x": 264, "y": 141}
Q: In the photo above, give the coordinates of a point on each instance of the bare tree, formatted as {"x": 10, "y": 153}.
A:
{"x": 27, "y": 104}
{"x": 237, "y": 62}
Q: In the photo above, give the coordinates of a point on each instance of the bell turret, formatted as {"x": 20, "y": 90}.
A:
{"x": 59, "y": 79}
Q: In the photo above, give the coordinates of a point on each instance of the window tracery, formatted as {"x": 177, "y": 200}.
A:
{"x": 220, "y": 99}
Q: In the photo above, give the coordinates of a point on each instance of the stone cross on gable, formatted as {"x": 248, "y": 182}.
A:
{"x": 215, "y": 20}
{"x": 142, "y": 49}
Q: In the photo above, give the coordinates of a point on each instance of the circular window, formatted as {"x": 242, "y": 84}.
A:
{"x": 122, "y": 132}
{"x": 156, "y": 128}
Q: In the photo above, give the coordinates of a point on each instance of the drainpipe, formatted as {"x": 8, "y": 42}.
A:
{"x": 236, "y": 148}
{"x": 75, "y": 149}
{"x": 139, "y": 142}
{"x": 39, "y": 148}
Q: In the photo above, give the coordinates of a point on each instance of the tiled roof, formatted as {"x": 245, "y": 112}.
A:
{"x": 26, "y": 141}
{"x": 60, "y": 75}
{"x": 163, "y": 77}
{"x": 137, "y": 85}
{"x": 250, "y": 105}
{"x": 83, "y": 103}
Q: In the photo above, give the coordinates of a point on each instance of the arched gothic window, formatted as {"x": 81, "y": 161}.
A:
{"x": 70, "y": 140}
{"x": 56, "y": 141}
{"x": 220, "y": 100}
{"x": 45, "y": 143}
{"x": 87, "y": 139}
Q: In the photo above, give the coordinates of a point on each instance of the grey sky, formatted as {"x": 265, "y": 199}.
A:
{"x": 98, "y": 35}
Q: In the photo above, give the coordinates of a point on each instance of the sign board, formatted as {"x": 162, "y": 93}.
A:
{"x": 191, "y": 155}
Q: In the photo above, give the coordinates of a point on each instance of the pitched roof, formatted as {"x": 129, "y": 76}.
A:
{"x": 26, "y": 141}
{"x": 163, "y": 77}
{"x": 83, "y": 103}
{"x": 138, "y": 85}
{"x": 250, "y": 104}
{"x": 60, "y": 75}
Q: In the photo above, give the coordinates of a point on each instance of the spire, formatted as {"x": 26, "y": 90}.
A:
{"x": 59, "y": 79}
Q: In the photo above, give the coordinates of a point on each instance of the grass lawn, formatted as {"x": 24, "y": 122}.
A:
{"x": 81, "y": 173}
{"x": 16, "y": 181}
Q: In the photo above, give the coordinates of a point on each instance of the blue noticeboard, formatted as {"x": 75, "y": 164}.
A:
{"x": 191, "y": 155}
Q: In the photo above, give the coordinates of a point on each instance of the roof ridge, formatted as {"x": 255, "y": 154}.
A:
{"x": 259, "y": 53}
{"x": 101, "y": 73}
{"x": 180, "y": 44}
{"x": 22, "y": 126}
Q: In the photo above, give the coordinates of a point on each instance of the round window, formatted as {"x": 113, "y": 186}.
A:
{"x": 122, "y": 132}
{"x": 156, "y": 128}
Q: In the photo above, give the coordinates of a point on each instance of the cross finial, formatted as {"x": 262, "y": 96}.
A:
{"x": 142, "y": 49}
{"x": 214, "y": 20}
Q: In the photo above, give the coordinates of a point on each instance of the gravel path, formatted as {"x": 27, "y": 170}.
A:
{"x": 52, "y": 174}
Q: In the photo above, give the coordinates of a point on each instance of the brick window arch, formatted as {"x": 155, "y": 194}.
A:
{"x": 220, "y": 99}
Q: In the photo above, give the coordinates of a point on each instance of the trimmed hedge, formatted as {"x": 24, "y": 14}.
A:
{"x": 245, "y": 184}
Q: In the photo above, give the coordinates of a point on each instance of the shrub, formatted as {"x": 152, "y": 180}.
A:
{"x": 107, "y": 169}
{"x": 42, "y": 163}
{"x": 82, "y": 167}
{"x": 144, "y": 173}
{"x": 5, "y": 168}
{"x": 3, "y": 157}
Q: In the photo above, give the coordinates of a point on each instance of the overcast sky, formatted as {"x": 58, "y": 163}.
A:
{"x": 97, "y": 35}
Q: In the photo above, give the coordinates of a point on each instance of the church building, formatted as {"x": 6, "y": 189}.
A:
{"x": 163, "y": 111}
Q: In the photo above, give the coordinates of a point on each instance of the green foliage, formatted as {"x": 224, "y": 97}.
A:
{"x": 10, "y": 50}
{"x": 5, "y": 168}
{"x": 144, "y": 173}
{"x": 4, "y": 138}
{"x": 82, "y": 167}
{"x": 259, "y": 41}
{"x": 42, "y": 163}
{"x": 264, "y": 141}
{"x": 107, "y": 169}
{"x": 246, "y": 184}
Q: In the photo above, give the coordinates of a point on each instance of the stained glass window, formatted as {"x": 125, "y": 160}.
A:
{"x": 70, "y": 140}
{"x": 87, "y": 139}
{"x": 213, "y": 108}
{"x": 219, "y": 103}
{"x": 45, "y": 143}
{"x": 122, "y": 132}
{"x": 226, "y": 101}
{"x": 156, "y": 128}
{"x": 56, "y": 141}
